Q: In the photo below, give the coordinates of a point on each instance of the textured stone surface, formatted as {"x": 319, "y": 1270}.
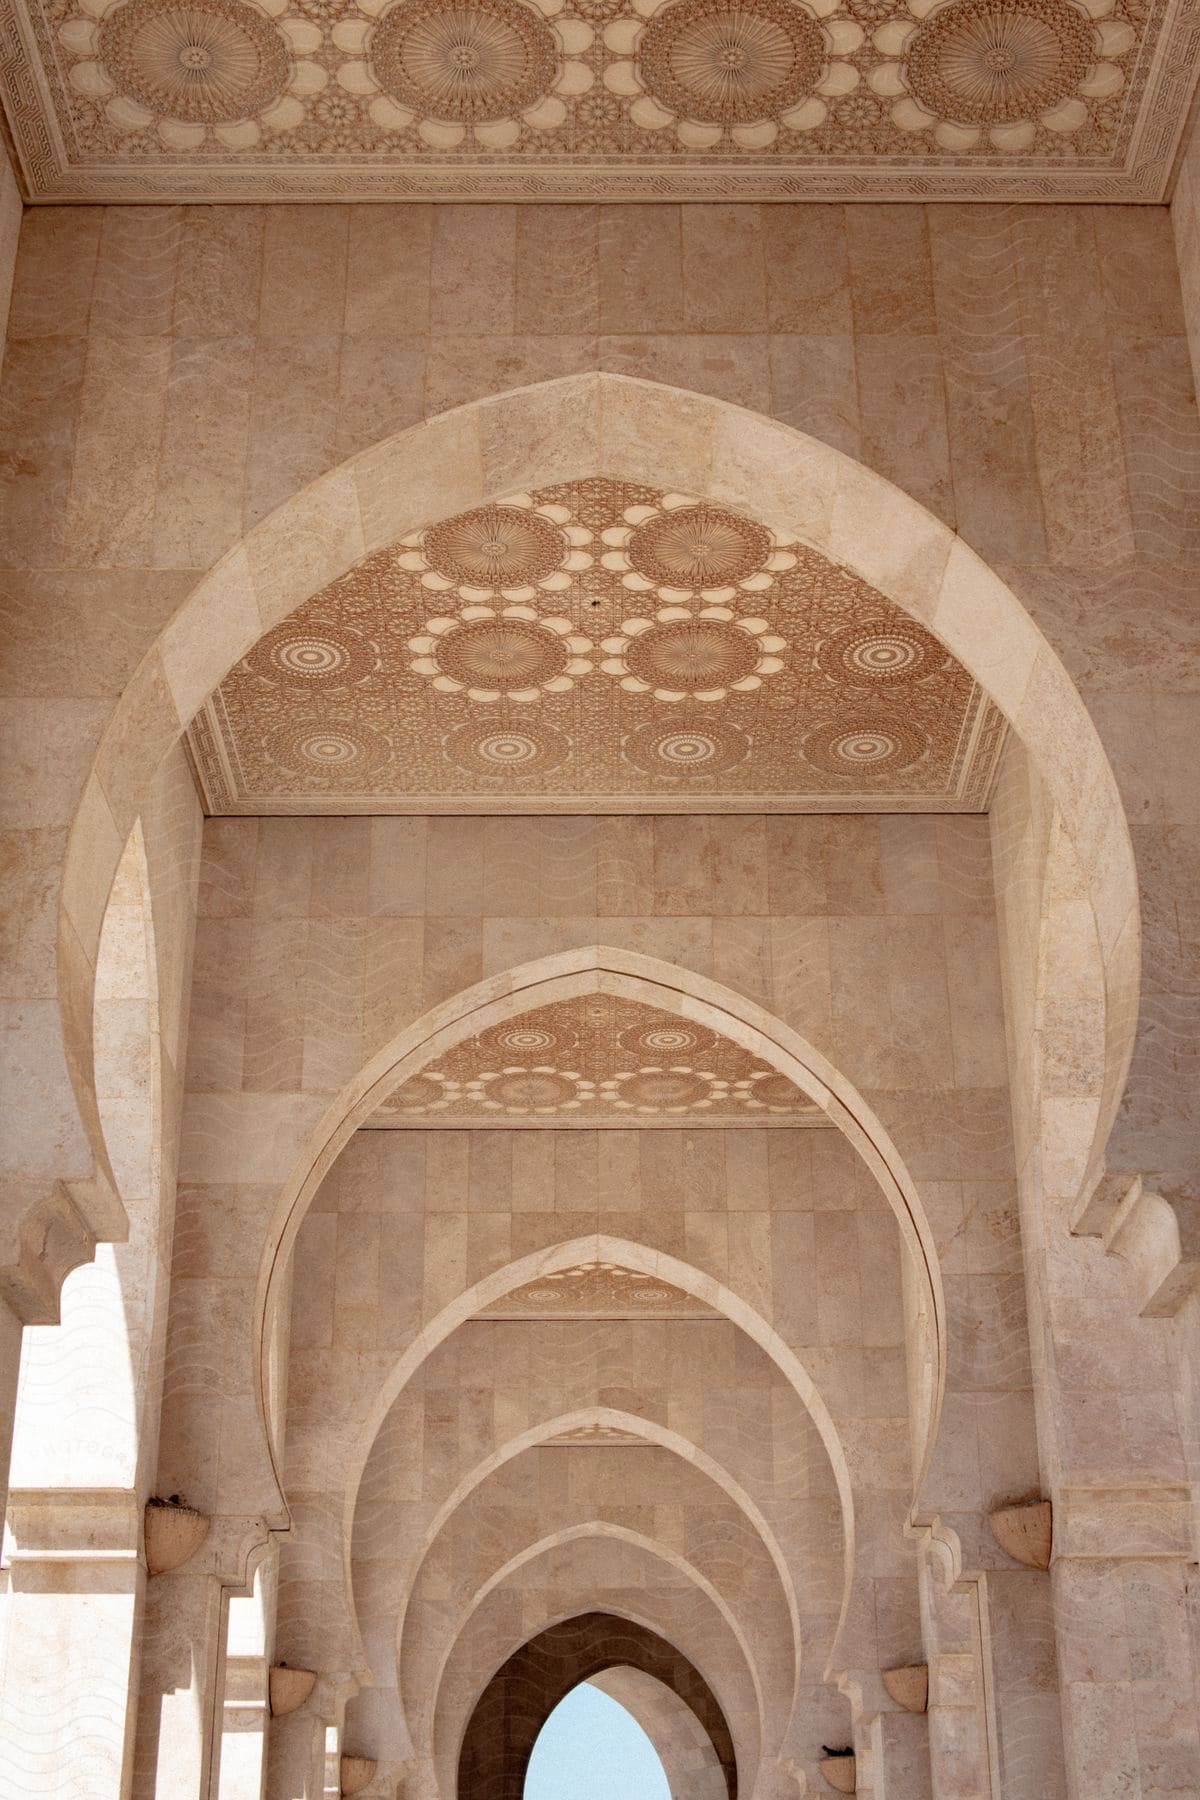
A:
{"x": 599, "y": 99}
{"x": 474, "y": 1427}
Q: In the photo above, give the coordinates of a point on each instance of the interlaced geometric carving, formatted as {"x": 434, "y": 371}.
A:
{"x": 598, "y": 1058}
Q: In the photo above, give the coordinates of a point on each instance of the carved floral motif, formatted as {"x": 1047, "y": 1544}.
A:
{"x": 189, "y": 65}
{"x": 473, "y": 63}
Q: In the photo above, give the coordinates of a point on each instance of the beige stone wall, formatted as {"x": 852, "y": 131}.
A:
{"x": 172, "y": 374}
{"x": 320, "y": 940}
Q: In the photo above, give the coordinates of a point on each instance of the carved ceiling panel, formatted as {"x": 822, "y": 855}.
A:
{"x": 597, "y": 646}
{"x": 594, "y": 1060}
{"x": 597, "y": 99}
{"x": 598, "y": 1290}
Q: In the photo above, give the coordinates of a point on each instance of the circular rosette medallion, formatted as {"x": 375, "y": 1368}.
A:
{"x": 881, "y": 653}
{"x": 496, "y": 547}
{"x": 341, "y": 752}
{"x": 207, "y": 62}
{"x": 312, "y": 656}
{"x": 676, "y": 1038}
{"x": 688, "y": 748}
{"x": 488, "y": 751}
{"x": 692, "y": 655}
{"x": 519, "y": 1042}
{"x": 769, "y": 1090}
{"x": 730, "y": 62}
{"x": 994, "y": 62}
{"x": 473, "y": 64}
{"x": 864, "y": 747}
{"x": 536, "y": 1090}
{"x": 663, "y": 1090}
{"x": 705, "y": 655}
{"x": 698, "y": 547}
{"x": 420, "y": 1094}
{"x": 514, "y": 653}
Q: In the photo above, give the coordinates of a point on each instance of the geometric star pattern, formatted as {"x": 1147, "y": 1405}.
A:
{"x": 597, "y": 1059}
{"x": 597, "y": 645}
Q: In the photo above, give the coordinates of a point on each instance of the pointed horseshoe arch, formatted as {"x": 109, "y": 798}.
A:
{"x": 554, "y": 1662}
{"x": 566, "y": 976}
{"x": 634, "y": 1426}
{"x": 637, "y": 431}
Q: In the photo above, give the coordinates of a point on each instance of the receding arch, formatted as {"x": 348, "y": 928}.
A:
{"x": 476, "y": 1556}
{"x": 601, "y": 1247}
{"x": 650, "y": 1432}
{"x": 639, "y": 431}
{"x": 686, "y": 1751}
{"x": 595, "y": 969}
{"x": 590, "y": 1531}
{"x": 684, "y": 1612}
{"x": 526, "y": 1688}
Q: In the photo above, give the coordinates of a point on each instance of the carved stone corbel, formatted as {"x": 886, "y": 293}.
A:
{"x": 356, "y": 1771}
{"x": 1025, "y": 1532}
{"x": 173, "y": 1532}
{"x": 289, "y": 1688}
{"x": 909, "y": 1686}
{"x": 840, "y": 1773}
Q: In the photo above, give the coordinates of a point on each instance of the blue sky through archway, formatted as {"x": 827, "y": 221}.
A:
{"x": 590, "y": 1748}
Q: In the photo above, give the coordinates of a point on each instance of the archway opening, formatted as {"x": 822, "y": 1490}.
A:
{"x": 524, "y": 1694}
{"x": 592, "y": 1748}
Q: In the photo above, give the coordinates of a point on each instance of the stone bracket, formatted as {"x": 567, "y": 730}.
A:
{"x": 57, "y": 1233}
{"x": 1158, "y": 1238}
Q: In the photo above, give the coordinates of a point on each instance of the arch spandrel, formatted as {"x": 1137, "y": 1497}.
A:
{"x": 640, "y": 431}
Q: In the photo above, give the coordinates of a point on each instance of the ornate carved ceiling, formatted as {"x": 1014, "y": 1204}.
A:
{"x": 597, "y": 646}
{"x": 597, "y": 99}
{"x": 598, "y": 1060}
